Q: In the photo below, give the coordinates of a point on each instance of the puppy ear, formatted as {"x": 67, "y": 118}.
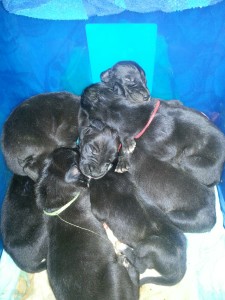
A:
{"x": 143, "y": 76}
{"x": 85, "y": 130}
{"x": 118, "y": 89}
{"x": 97, "y": 124}
{"x": 71, "y": 175}
{"x": 106, "y": 76}
{"x": 83, "y": 119}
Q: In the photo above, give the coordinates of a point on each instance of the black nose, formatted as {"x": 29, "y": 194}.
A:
{"x": 145, "y": 95}
{"x": 90, "y": 169}
{"x": 84, "y": 180}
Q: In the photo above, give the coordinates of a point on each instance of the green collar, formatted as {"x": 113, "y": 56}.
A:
{"x": 61, "y": 209}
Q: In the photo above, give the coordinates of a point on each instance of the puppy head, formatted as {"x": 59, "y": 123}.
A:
{"x": 97, "y": 94}
{"x": 60, "y": 179}
{"x": 127, "y": 77}
{"x": 98, "y": 150}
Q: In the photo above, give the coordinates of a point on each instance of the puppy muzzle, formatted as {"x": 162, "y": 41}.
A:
{"x": 139, "y": 94}
{"x": 94, "y": 172}
{"x": 84, "y": 181}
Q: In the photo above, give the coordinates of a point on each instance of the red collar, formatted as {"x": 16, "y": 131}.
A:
{"x": 153, "y": 113}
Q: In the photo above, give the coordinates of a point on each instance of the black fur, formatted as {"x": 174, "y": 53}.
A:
{"x": 156, "y": 242}
{"x": 37, "y": 127}
{"x": 80, "y": 264}
{"x": 178, "y": 135}
{"x": 188, "y": 203}
{"x": 96, "y": 140}
{"x": 128, "y": 78}
{"x": 23, "y": 227}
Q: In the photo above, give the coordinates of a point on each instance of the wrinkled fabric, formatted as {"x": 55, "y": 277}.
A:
{"x": 78, "y": 10}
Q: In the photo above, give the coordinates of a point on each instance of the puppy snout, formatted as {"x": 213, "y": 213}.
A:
{"x": 145, "y": 94}
{"x": 88, "y": 170}
{"x": 146, "y": 97}
{"x": 84, "y": 180}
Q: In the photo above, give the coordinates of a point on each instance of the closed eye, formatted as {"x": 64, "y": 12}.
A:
{"x": 129, "y": 79}
{"x": 92, "y": 149}
{"x": 95, "y": 151}
{"x": 130, "y": 82}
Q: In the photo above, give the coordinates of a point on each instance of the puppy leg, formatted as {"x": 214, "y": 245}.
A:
{"x": 202, "y": 160}
{"x": 32, "y": 165}
{"x": 122, "y": 251}
{"x": 201, "y": 220}
{"x": 167, "y": 259}
{"x": 128, "y": 146}
{"x": 123, "y": 163}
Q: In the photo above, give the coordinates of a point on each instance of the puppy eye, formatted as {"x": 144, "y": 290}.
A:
{"x": 95, "y": 151}
{"x": 128, "y": 79}
{"x": 92, "y": 149}
{"x": 130, "y": 82}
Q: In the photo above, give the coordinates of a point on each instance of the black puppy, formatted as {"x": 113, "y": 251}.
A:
{"x": 127, "y": 77}
{"x": 156, "y": 242}
{"x": 81, "y": 262}
{"x": 98, "y": 149}
{"x": 178, "y": 135}
{"x": 37, "y": 127}
{"x": 23, "y": 227}
{"x": 188, "y": 203}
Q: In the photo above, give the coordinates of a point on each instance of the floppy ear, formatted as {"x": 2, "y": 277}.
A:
{"x": 143, "y": 76}
{"x": 71, "y": 175}
{"x": 97, "y": 124}
{"x": 85, "y": 130}
{"x": 83, "y": 119}
{"x": 106, "y": 76}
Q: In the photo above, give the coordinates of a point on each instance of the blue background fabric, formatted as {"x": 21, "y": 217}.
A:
{"x": 83, "y": 9}
{"x": 38, "y": 55}
{"x": 110, "y": 43}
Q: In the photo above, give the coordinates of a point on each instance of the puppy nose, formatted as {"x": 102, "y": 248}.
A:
{"x": 145, "y": 95}
{"x": 84, "y": 178}
{"x": 85, "y": 181}
{"x": 90, "y": 169}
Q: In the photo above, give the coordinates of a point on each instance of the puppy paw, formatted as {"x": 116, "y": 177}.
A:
{"x": 122, "y": 165}
{"x": 129, "y": 146}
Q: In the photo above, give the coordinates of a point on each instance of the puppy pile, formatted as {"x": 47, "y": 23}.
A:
{"x": 113, "y": 162}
